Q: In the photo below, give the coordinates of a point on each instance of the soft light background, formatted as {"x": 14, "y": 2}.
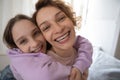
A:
{"x": 100, "y": 22}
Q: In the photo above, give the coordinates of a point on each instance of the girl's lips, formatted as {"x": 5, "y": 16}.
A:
{"x": 63, "y": 38}
{"x": 38, "y": 49}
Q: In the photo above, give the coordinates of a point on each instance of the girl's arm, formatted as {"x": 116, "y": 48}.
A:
{"x": 39, "y": 66}
{"x": 84, "y": 57}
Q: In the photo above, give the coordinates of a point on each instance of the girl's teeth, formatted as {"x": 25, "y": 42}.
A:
{"x": 38, "y": 49}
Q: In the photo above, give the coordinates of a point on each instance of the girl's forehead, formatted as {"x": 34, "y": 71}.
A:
{"x": 23, "y": 25}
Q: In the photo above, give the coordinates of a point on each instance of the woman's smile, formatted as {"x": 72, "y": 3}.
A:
{"x": 57, "y": 28}
{"x": 64, "y": 38}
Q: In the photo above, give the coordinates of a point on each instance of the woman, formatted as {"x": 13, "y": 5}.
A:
{"x": 56, "y": 22}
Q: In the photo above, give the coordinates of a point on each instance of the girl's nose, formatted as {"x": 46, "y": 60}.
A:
{"x": 33, "y": 43}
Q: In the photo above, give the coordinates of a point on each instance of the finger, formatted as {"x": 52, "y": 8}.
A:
{"x": 72, "y": 74}
{"x": 78, "y": 76}
{"x": 71, "y": 77}
{"x": 85, "y": 75}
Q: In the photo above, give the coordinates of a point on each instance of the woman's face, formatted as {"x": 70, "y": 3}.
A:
{"x": 28, "y": 37}
{"x": 56, "y": 27}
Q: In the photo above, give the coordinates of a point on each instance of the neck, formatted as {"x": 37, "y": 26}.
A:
{"x": 64, "y": 53}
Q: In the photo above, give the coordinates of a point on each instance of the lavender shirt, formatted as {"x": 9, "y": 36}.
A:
{"x": 39, "y": 66}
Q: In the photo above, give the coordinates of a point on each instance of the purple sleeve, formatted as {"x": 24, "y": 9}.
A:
{"x": 40, "y": 67}
{"x": 84, "y": 57}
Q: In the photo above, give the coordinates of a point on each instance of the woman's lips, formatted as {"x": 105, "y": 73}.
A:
{"x": 63, "y": 38}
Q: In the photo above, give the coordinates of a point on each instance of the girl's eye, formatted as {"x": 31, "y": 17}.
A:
{"x": 24, "y": 41}
{"x": 44, "y": 27}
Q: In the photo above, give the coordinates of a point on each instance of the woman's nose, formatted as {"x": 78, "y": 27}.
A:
{"x": 58, "y": 28}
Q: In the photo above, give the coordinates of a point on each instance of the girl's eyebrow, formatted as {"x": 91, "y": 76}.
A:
{"x": 20, "y": 38}
{"x": 55, "y": 16}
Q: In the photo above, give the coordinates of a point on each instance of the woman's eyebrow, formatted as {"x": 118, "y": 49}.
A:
{"x": 42, "y": 23}
{"x": 55, "y": 16}
{"x": 58, "y": 13}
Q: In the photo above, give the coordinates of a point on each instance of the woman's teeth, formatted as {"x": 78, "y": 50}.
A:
{"x": 62, "y": 37}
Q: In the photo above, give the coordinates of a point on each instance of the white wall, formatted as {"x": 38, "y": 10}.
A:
{"x": 117, "y": 51}
{"x": 4, "y": 61}
{"x": 101, "y": 24}
{"x": 117, "y": 55}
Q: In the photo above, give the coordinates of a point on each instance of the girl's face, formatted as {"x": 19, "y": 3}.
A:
{"x": 56, "y": 27}
{"x": 28, "y": 37}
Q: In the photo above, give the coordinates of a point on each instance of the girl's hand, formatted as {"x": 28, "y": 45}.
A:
{"x": 75, "y": 74}
{"x": 85, "y": 75}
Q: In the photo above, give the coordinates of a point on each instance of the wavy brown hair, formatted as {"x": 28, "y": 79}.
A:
{"x": 55, "y": 3}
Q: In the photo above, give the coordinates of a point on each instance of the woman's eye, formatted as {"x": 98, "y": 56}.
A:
{"x": 45, "y": 27}
{"x": 61, "y": 18}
